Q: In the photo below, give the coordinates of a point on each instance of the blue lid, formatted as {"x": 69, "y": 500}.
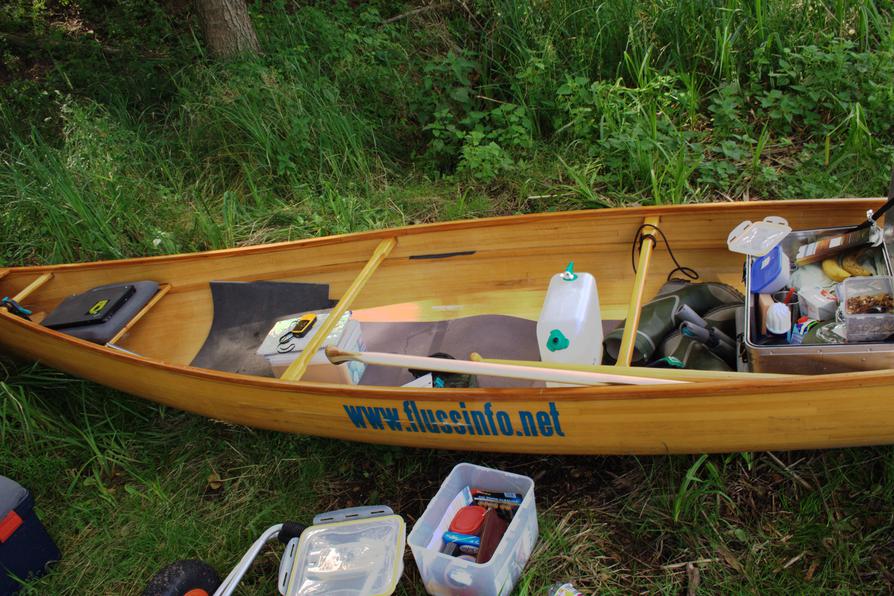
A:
{"x": 766, "y": 270}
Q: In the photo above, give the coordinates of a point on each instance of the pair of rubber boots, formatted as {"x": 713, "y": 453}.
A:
{"x": 658, "y": 339}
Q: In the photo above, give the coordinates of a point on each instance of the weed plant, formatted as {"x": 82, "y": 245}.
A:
{"x": 124, "y": 134}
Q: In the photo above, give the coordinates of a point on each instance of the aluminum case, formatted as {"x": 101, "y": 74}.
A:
{"x": 816, "y": 359}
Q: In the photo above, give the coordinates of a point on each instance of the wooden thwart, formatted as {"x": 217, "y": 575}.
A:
{"x": 33, "y": 287}
{"x": 628, "y": 340}
{"x": 297, "y": 368}
{"x": 678, "y": 374}
{"x": 162, "y": 290}
{"x": 467, "y": 367}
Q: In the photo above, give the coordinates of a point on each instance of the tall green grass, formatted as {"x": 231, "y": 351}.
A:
{"x": 658, "y": 101}
{"x": 737, "y": 77}
{"x": 100, "y": 186}
{"x": 285, "y": 122}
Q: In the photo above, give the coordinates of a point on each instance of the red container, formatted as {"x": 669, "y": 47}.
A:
{"x": 468, "y": 520}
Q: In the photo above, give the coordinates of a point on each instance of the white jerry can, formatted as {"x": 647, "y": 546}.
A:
{"x": 569, "y": 329}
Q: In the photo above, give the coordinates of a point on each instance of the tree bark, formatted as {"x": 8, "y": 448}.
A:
{"x": 227, "y": 28}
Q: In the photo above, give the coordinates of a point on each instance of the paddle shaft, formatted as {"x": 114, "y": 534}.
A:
{"x": 678, "y": 374}
{"x": 466, "y": 367}
{"x": 631, "y": 323}
{"x": 300, "y": 364}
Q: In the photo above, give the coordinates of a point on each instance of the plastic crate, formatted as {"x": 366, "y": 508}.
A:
{"x": 443, "y": 574}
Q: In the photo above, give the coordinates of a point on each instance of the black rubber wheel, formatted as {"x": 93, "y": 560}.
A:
{"x": 184, "y": 578}
{"x": 290, "y": 530}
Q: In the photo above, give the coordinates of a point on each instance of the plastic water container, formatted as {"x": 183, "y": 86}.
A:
{"x": 444, "y": 574}
{"x": 569, "y": 329}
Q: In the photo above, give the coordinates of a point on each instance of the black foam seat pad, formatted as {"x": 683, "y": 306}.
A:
{"x": 101, "y": 333}
{"x": 244, "y": 312}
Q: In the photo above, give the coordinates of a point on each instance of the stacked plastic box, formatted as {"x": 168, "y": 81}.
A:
{"x": 444, "y": 574}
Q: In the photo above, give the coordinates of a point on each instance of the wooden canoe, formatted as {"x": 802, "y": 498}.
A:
{"x": 498, "y": 265}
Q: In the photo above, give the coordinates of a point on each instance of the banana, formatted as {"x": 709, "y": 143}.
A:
{"x": 850, "y": 262}
{"x": 835, "y": 272}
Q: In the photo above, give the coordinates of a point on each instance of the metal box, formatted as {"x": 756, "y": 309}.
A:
{"x": 816, "y": 359}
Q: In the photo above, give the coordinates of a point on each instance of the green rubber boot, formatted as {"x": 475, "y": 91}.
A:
{"x": 657, "y": 316}
{"x": 694, "y": 354}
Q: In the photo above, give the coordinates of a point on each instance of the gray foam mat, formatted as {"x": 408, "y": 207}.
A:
{"x": 243, "y": 314}
{"x": 493, "y": 336}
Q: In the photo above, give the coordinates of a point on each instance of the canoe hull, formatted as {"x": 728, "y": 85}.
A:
{"x": 841, "y": 410}
{"x": 715, "y": 417}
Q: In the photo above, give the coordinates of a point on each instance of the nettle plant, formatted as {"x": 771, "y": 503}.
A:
{"x": 639, "y": 134}
{"x": 480, "y": 137}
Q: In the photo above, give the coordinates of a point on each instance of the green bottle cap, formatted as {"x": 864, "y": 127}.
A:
{"x": 556, "y": 341}
{"x": 569, "y": 274}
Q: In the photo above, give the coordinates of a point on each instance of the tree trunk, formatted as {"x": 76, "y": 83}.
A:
{"x": 227, "y": 27}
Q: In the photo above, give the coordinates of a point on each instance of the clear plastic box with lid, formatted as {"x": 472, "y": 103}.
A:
{"x": 859, "y": 294}
{"x": 443, "y": 574}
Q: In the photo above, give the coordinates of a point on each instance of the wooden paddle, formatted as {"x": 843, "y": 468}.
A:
{"x": 678, "y": 374}
{"x": 466, "y": 367}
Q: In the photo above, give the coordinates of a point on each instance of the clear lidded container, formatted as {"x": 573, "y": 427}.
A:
{"x": 866, "y": 307}
{"x": 358, "y": 557}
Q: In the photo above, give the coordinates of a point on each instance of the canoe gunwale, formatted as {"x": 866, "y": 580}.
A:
{"x": 877, "y": 377}
{"x": 397, "y": 233}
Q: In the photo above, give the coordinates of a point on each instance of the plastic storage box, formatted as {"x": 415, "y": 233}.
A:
{"x": 866, "y": 326}
{"x": 25, "y": 546}
{"x": 350, "y": 552}
{"x": 280, "y": 352}
{"x": 444, "y": 574}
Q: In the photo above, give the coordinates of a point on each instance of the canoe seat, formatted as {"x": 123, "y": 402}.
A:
{"x": 99, "y": 314}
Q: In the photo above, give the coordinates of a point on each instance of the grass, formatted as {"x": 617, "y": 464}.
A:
{"x": 124, "y": 486}
{"x": 119, "y": 137}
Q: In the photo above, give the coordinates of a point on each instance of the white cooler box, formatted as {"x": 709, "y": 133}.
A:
{"x": 444, "y": 574}
{"x": 345, "y": 335}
